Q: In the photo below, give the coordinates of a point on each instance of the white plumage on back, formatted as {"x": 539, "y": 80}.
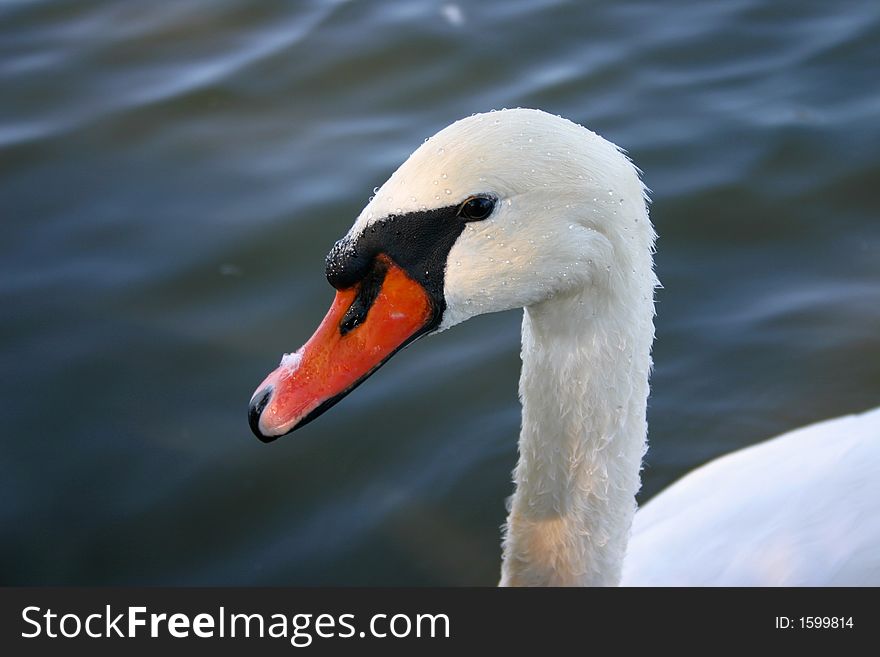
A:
{"x": 802, "y": 509}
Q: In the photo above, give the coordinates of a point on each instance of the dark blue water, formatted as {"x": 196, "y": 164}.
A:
{"x": 172, "y": 175}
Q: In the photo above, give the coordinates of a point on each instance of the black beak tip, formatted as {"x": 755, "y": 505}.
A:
{"x": 255, "y": 410}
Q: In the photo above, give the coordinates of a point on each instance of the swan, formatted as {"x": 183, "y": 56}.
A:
{"x": 522, "y": 209}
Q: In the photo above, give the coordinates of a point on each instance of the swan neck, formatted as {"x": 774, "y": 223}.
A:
{"x": 583, "y": 386}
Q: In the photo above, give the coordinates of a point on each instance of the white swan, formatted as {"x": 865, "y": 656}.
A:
{"x": 519, "y": 208}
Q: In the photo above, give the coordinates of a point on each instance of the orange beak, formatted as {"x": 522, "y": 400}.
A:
{"x": 363, "y": 328}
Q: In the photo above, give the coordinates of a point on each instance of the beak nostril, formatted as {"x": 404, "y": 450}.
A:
{"x": 259, "y": 402}
{"x": 367, "y": 292}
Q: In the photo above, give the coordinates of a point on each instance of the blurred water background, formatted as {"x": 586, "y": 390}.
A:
{"x": 173, "y": 173}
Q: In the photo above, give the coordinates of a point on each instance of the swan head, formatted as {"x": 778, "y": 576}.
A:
{"x": 497, "y": 211}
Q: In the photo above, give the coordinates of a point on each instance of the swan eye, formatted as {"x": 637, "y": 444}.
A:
{"x": 476, "y": 208}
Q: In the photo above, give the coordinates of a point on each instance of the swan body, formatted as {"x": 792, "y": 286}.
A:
{"x": 521, "y": 209}
{"x": 801, "y": 509}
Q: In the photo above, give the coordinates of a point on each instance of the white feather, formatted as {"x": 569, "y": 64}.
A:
{"x": 802, "y": 509}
